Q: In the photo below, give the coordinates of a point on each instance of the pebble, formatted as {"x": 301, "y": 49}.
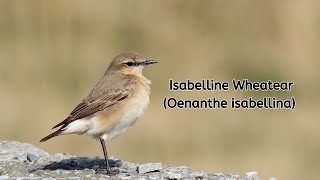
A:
{"x": 149, "y": 167}
{"x": 172, "y": 175}
{"x": 125, "y": 178}
{"x": 32, "y": 158}
{"x": 197, "y": 175}
{"x": 272, "y": 178}
{"x": 251, "y": 173}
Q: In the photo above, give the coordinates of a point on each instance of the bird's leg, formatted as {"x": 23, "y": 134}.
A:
{"x": 108, "y": 167}
{"x": 105, "y": 156}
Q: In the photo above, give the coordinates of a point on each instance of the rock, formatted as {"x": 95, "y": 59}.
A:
{"x": 10, "y": 150}
{"x": 197, "y": 174}
{"x": 132, "y": 169}
{"x": 31, "y": 157}
{"x": 218, "y": 174}
{"x": 150, "y": 167}
{"x": 153, "y": 177}
{"x": 125, "y": 178}
{"x": 21, "y": 157}
{"x": 172, "y": 175}
{"x": 251, "y": 173}
{"x": 25, "y": 161}
{"x": 4, "y": 177}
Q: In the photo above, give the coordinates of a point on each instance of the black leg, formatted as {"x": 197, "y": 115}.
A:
{"x": 105, "y": 155}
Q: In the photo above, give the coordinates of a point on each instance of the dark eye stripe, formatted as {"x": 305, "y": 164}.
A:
{"x": 130, "y": 63}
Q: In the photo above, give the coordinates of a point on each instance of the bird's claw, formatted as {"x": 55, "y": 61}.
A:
{"x": 107, "y": 171}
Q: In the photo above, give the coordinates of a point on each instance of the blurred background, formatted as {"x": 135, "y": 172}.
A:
{"x": 53, "y": 52}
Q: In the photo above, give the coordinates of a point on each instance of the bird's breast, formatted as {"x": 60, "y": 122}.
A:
{"x": 118, "y": 119}
{"x": 135, "y": 106}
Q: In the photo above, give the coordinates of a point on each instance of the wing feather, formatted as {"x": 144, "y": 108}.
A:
{"x": 85, "y": 109}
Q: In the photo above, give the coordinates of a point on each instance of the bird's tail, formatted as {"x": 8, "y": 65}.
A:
{"x": 54, "y": 134}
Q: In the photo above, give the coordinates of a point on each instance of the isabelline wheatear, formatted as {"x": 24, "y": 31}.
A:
{"x": 115, "y": 103}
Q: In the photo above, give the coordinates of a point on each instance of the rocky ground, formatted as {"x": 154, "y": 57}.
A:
{"x": 25, "y": 161}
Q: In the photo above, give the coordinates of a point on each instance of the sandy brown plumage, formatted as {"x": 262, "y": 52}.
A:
{"x": 114, "y": 104}
{"x": 111, "y": 89}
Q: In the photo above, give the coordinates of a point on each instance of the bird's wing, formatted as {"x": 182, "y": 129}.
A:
{"x": 85, "y": 109}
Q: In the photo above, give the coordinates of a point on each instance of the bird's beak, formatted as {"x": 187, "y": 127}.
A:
{"x": 147, "y": 62}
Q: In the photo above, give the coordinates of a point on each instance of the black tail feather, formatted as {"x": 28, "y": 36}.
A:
{"x": 54, "y": 134}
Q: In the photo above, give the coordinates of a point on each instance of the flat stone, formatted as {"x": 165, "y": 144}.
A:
{"x": 251, "y": 173}
{"x": 149, "y": 167}
{"x": 197, "y": 174}
{"x": 13, "y": 149}
{"x": 126, "y": 178}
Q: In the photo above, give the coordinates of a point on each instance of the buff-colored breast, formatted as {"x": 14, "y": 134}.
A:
{"x": 117, "y": 119}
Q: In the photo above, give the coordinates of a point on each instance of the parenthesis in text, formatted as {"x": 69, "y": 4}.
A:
{"x": 293, "y": 103}
{"x": 164, "y": 103}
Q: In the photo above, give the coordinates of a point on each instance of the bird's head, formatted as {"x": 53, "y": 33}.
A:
{"x": 129, "y": 63}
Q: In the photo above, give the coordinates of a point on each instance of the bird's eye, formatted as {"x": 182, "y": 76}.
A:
{"x": 129, "y": 63}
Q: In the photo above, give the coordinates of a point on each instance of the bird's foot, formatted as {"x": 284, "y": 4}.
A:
{"x": 107, "y": 171}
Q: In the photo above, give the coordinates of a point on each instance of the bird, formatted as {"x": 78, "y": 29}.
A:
{"x": 114, "y": 104}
